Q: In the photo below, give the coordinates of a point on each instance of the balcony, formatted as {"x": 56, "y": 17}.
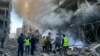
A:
{"x": 1, "y": 16}
{"x": 4, "y": 14}
{"x": 4, "y": 2}
{"x": 4, "y": 8}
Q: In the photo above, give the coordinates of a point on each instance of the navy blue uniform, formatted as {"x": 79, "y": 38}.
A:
{"x": 20, "y": 45}
{"x": 33, "y": 42}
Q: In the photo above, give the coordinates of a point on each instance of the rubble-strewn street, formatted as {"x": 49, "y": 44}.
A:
{"x": 11, "y": 50}
{"x": 50, "y": 27}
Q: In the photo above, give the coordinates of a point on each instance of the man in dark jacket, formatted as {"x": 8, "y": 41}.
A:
{"x": 2, "y": 41}
{"x": 20, "y": 45}
{"x": 33, "y": 42}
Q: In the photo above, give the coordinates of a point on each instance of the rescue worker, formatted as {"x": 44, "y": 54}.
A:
{"x": 58, "y": 43}
{"x": 20, "y": 41}
{"x": 65, "y": 44}
{"x": 33, "y": 42}
{"x": 43, "y": 43}
{"x": 27, "y": 44}
{"x": 48, "y": 43}
{"x": 53, "y": 46}
{"x": 37, "y": 42}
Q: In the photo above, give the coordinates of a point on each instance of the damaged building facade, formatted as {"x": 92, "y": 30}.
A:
{"x": 28, "y": 29}
{"x": 87, "y": 27}
{"x": 5, "y": 8}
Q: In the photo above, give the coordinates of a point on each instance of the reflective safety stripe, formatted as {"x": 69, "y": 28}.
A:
{"x": 65, "y": 41}
{"x": 27, "y": 42}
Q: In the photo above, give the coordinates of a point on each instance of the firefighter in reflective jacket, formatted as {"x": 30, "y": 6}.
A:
{"x": 65, "y": 44}
{"x": 27, "y": 45}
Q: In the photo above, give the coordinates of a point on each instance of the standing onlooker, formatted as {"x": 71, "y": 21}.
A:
{"x": 43, "y": 42}
{"x": 27, "y": 44}
{"x": 3, "y": 38}
{"x": 48, "y": 43}
{"x": 20, "y": 45}
{"x": 65, "y": 44}
{"x": 2, "y": 41}
{"x": 37, "y": 42}
{"x": 33, "y": 42}
{"x": 58, "y": 43}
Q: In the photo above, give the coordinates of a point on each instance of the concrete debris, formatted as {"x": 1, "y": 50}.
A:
{"x": 91, "y": 50}
{"x": 2, "y": 53}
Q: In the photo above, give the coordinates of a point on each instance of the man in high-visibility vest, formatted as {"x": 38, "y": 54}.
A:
{"x": 27, "y": 45}
{"x": 65, "y": 44}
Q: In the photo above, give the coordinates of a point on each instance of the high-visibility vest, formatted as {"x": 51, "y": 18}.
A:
{"x": 27, "y": 41}
{"x": 65, "y": 43}
{"x": 43, "y": 41}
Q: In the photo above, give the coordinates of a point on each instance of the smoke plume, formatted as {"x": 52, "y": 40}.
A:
{"x": 40, "y": 13}
{"x": 32, "y": 10}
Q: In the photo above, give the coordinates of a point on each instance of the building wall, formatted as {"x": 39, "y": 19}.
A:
{"x": 28, "y": 29}
{"x": 5, "y": 8}
{"x": 18, "y": 32}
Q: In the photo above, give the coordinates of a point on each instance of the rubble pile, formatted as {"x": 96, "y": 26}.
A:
{"x": 3, "y": 54}
{"x": 10, "y": 49}
{"x": 92, "y": 50}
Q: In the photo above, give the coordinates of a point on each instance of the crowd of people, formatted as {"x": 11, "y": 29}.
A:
{"x": 59, "y": 44}
{"x": 27, "y": 44}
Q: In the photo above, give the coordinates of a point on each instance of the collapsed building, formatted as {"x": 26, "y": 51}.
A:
{"x": 5, "y": 8}
{"x": 27, "y": 29}
{"x": 86, "y": 27}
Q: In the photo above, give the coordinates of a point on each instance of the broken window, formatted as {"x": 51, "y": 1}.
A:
{"x": 5, "y": 24}
{"x": 1, "y": 24}
{"x": 2, "y": 12}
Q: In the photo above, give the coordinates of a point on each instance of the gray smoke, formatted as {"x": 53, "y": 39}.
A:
{"x": 86, "y": 14}
{"x": 46, "y": 18}
{"x": 65, "y": 21}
